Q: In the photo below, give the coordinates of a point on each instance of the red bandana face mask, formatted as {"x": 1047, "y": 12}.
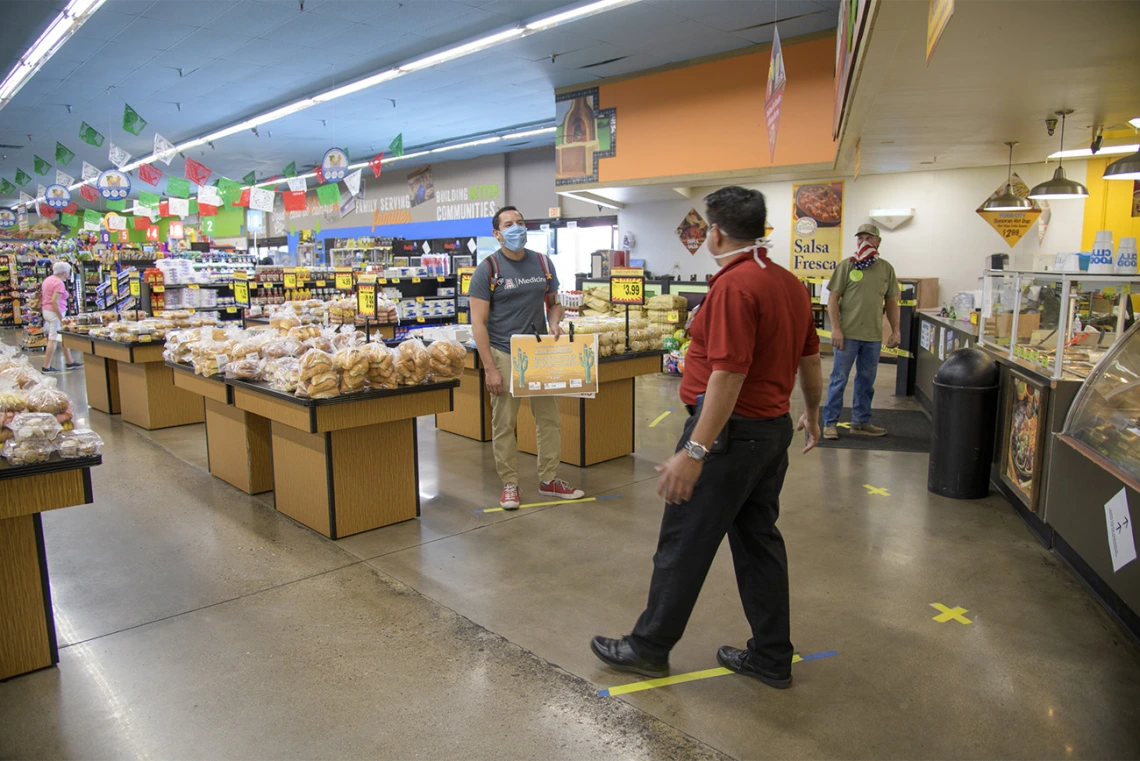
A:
{"x": 865, "y": 255}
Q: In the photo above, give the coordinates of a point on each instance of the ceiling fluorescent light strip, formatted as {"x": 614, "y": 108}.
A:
{"x": 1107, "y": 150}
{"x": 73, "y": 16}
{"x": 450, "y": 54}
{"x": 596, "y": 201}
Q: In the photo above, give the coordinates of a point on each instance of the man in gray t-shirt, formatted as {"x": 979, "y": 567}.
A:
{"x": 513, "y": 292}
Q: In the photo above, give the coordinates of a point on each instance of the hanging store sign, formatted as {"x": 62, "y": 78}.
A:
{"x": 1011, "y": 225}
{"x": 692, "y": 231}
{"x": 937, "y": 17}
{"x": 113, "y": 185}
{"x": 334, "y": 165}
{"x": 366, "y": 300}
{"x": 241, "y": 289}
{"x": 554, "y": 368}
{"x": 7, "y": 218}
{"x": 817, "y": 228}
{"x": 57, "y": 196}
{"x": 774, "y": 94}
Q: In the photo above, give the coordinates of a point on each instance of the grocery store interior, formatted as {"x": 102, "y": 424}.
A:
{"x": 252, "y": 509}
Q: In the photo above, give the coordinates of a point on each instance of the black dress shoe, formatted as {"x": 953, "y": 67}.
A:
{"x": 619, "y": 654}
{"x": 735, "y": 659}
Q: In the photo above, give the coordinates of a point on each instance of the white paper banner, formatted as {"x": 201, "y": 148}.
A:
{"x": 163, "y": 149}
{"x": 298, "y": 183}
{"x": 25, "y": 198}
{"x": 116, "y": 223}
{"x": 41, "y": 192}
{"x": 261, "y": 199}
{"x": 63, "y": 178}
{"x": 180, "y": 207}
{"x": 118, "y": 156}
{"x": 90, "y": 226}
{"x": 352, "y": 182}
{"x": 209, "y": 195}
{"x": 90, "y": 172}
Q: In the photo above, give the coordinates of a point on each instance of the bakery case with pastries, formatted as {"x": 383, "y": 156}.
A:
{"x": 1094, "y": 485}
{"x": 1047, "y": 330}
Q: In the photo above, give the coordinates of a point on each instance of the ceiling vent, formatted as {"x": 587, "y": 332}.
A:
{"x": 10, "y": 147}
{"x": 603, "y": 63}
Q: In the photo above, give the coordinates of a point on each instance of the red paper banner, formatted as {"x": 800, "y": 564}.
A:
{"x": 141, "y": 223}
{"x": 149, "y": 174}
{"x": 294, "y": 200}
{"x": 46, "y": 211}
{"x": 206, "y": 210}
{"x": 197, "y": 173}
{"x": 89, "y": 193}
{"x": 377, "y": 163}
{"x": 320, "y": 175}
{"x": 71, "y": 208}
{"x": 164, "y": 208}
{"x": 244, "y": 200}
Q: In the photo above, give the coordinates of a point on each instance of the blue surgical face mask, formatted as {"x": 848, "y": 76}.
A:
{"x": 514, "y": 237}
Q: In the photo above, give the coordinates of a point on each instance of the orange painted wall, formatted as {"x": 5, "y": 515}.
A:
{"x": 710, "y": 117}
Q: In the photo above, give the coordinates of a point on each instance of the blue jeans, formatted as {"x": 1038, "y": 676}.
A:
{"x": 864, "y": 355}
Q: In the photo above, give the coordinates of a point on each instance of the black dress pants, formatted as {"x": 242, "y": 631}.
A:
{"x": 738, "y": 493}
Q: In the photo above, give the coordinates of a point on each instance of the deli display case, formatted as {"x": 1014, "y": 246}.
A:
{"x": 1094, "y": 480}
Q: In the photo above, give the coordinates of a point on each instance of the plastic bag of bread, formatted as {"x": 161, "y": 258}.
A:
{"x": 347, "y": 337}
{"x": 44, "y": 398}
{"x": 284, "y": 320}
{"x": 283, "y": 374}
{"x": 303, "y": 333}
{"x": 640, "y": 345}
{"x": 323, "y": 341}
{"x": 78, "y": 443}
{"x": 413, "y": 364}
{"x": 351, "y": 365}
{"x": 13, "y": 401}
{"x": 34, "y": 425}
{"x": 281, "y": 347}
{"x": 447, "y": 358}
{"x": 382, "y": 371}
{"x": 22, "y": 375}
{"x": 27, "y": 451}
{"x": 244, "y": 369}
{"x": 211, "y": 357}
{"x": 318, "y": 377}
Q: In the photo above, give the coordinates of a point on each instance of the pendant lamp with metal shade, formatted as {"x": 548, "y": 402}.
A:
{"x": 1126, "y": 168}
{"x": 1060, "y": 187}
{"x": 1008, "y": 200}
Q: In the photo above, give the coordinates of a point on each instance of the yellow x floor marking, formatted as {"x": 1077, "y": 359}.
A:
{"x": 660, "y": 417}
{"x": 842, "y": 425}
{"x": 881, "y": 492}
{"x": 693, "y": 676}
{"x": 949, "y": 614}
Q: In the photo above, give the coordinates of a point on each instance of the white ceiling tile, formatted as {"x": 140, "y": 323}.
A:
{"x": 306, "y": 29}
{"x": 190, "y": 12}
{"x": 540, "y": 46}
{"x": 153, "y": 33}
{"x": 129, "y": 7}
{"x": 105, "y": 25}
{"x": 812, "y": 22}
{"x": 352, "y": 10}
{"x": 254, "y": 19}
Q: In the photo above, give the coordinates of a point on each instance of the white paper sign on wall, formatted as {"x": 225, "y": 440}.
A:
{"x": 1121, "y": 542}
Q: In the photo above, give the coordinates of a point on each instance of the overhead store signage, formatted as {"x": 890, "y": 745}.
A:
{"x": 693, "y": 231}
{"x": 113, "y": 185}
{"x": 849, "y": 35}
{"x": 57, "y": 196}
{"x": 334, "y": 165}
{"x": 937, "y": 17}
{"x": 584, "y": 133}
{"x": 817, "y": 228}
{"x": 1011, "y": 225}
{"x": 774, "y": 94}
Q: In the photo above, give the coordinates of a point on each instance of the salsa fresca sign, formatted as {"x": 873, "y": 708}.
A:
{"x": 817, "y": 228}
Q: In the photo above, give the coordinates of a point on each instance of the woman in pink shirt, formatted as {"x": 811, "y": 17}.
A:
{"x": 53, "y": 304}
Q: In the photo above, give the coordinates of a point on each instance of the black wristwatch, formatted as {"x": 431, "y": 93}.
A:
{"x": 696, "y": 451}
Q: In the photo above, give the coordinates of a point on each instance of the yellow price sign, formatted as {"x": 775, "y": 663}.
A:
{"x": 290, "y": 280}
{"x": 145, "y": 339}
{"x": 366, "y": 300}
{"x": 193, "y": 286}
{"x": 627, "y": 290}
{"x": 231, "y": 310}
{"x": 241, "y": 289}
{"x": 395, "y": 280}
{"x": 674, "y": 316}
{"x": 344, "y": 281}
{"x": 465, "y": 274}
{"x": 415, "y": 280}
{"x": 382, "y": 280}
{"x": 419, "y": 319}
{"x": 419, "y": 299}
{"x": 135, "y": 286}
{"x": 462, "y": 318}
{"x": 157, "y": 289}
{"x": 115, "y": 284}
{"x": 320, "y": 283}
{"x": 441, "y": 280}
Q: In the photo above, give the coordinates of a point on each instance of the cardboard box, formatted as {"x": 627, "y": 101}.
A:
{"x": 1001, "y": 325}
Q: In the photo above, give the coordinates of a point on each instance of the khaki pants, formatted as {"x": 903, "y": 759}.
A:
{"x": 504, "y": 419}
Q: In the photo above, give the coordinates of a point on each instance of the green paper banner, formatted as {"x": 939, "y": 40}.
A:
{"x": 91, "y": 217}
{"x": 89, "y": 135}
{"x": 69, "y": 219}
{"x": 42, "y": 166}
{"x": 63, "y": 155}
{"x": 22, "y": 177}
{"x": 132, "y": 122}
{"x": 193, "y": 207}
{"x": 329, "y": 194}
{"x": 291, "y": 170}
{"x": 229, "y": 190}
{"x": 146, "y": 198}
{"x": 396, "y": 147}
{"x": 250, "y": 178}
{"x": 6, "y": 187}
{"x": 177, "y": 187}
{"x": 116, "y": 205}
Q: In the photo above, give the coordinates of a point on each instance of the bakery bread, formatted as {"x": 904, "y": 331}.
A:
{"x": 352, "y": 366}
{"x": 412, "y": 362}
{"x": 447, "y": 359}
{"x": 381, "y": 366}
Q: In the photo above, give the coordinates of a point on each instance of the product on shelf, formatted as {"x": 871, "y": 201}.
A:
{"x": 447, "y": 358}
{"x": 27, "y": 451}
{"x": 412, "y": 362}
{"x": 351, "y": 364}
{"x": 78, "y": 443}
{"x": 382, "y": 371}
{"x": 34, "y": 425}
{"x": 318, "y": 378}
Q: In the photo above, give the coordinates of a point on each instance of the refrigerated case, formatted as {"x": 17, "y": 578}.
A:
{"x": 1094, "y": 483}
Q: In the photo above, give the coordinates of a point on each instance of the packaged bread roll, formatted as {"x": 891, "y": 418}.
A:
{"x": 351, "y": 365}
{"x": 447, "y": 358}
{"x": 412, "y": 362}
{"x": 34, "y": 425}
{"x": 318, "y": 378}
{"x": 27, "y": 451}
{"x": 283, "y": 320}
{"x": 244, "y": 369}
{"x": 382, "y": 371}
{"x": 283, "y": 374}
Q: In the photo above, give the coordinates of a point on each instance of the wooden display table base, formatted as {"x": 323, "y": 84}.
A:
{"x": 100, "y": 374}
{"x": 348, "y": 464}
{"x": 599, "y": 429}
{"x": 27, "y": 625}
{"x": 238, "y": 448}
{"x": 472, "y": 414}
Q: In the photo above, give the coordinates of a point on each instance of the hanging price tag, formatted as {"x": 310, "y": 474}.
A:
{"x": 344, "y": 281}
{"x": 231, "y": 310}
{"x": 419, "y": 299}
{"x": 673, "y": 316}
{"x": 241, "y": 289}
{"x": 441, "y": 280}
{"x": 114, "y": 284}
{"x": 366, "y": 299}
{"x": 134, "y": 284}
{"x": 465, "y": 274}
{"x": 382, "y": 280}
{"x": 320, "y": 283}
{"x": 193, "y": 286}
{"x": 627, "y": 290}
{"x": 290, "y": 279}
{"x": 157, "y": 289}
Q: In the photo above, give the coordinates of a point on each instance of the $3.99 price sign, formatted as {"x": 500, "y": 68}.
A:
{"x": 627, "y": 290}
{"x": 366, "y": 299}
{"x": 241, "y": 289}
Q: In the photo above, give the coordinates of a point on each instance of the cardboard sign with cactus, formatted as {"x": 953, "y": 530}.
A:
{"x": 554, "y": 368}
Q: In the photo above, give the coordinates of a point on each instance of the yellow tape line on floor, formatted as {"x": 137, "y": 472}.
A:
{"x": 885, "y": 350}
{"x": 554, "y": 502}
{"x": 692, "y": 676}
{"x": 660, "y": 417}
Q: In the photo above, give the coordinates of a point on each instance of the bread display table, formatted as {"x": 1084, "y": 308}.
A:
{"x": 100, "y": 374}
{"x": 472, "y": 414}
{"x": 238, "y": 449}
{"x": 27, "y": 625}
{"x": 347, "y": 464}
{"x": 598, "y": 429}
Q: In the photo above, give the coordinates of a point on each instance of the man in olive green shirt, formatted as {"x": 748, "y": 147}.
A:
{"x": 861, "y": 287}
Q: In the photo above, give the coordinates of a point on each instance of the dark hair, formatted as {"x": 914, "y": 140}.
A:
{"x": 739, "y": 213}
{"x": 499, "y": 213}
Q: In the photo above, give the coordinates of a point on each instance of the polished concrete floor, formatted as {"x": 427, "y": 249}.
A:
{"x": 195, "y": 622}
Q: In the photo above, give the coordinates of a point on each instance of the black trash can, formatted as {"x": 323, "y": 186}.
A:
{"x": 965, "y": 419}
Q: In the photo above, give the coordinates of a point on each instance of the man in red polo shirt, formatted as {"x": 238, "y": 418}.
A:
{"x": 751, "y": 336}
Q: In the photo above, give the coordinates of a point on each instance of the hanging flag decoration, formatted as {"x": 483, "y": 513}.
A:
{"x": 177, "y": 187}
{"x": 62, "y": 154}
{"x": 92, "y": 217}
{"x": 352, "y": 182}
{"x": 90, "y": 135}
{"x": 294, "y": 200}
{"x": 90, "y": 172}
{"x": 150, "y": 174}
{"x": 261, "y": 199}
{"x": 164, "y": 208}
{"x": 197, "y": 173}
{"x": 163, "y": 149}
{"x": 89, "y": 193}
{"x": 57, "y": 196}
{"x": 71, "y": 208}
{"x": 148, "y": 199}
{"x": 117, "y": 205}
{"x": 377, "y": 163}
{"x": 229, "y": 190}
{"x": 250, "y": 178}
{"x": 69, "y": 219}
{"x": 291, "y": 169}
{"x": 132, "y": 122}
{"x": 6, "y": 188}
{"x": 298, "y": 184}
{"x": 208, "y": 194}
{"x": 25, "y": 199}
{"x": 115, "y": 222}
{"x": 334, "y": 165}
{"x": 41, "y": 165}
{"x": 41, "y": 192}
{"x": 193, "y": 206}
{"x": 63, "y": 178}
{"x": 206, "y": 210}
{"x": 22, "y": 177}
{"x": 118, "y": 156}
{"x": 113, "y": 184}
{"x": 270, "y": 184}
{"x": 774, "y": 94}
{"x": 243, "y": 199}
{"x": 141, "y": 223}
{"x": 396, "y": 147}
{"x": 329, "y": 194}
{"x": 45, "y": 211}
{"x": 320, "y": 175}
{"x": 180, "y": 207}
